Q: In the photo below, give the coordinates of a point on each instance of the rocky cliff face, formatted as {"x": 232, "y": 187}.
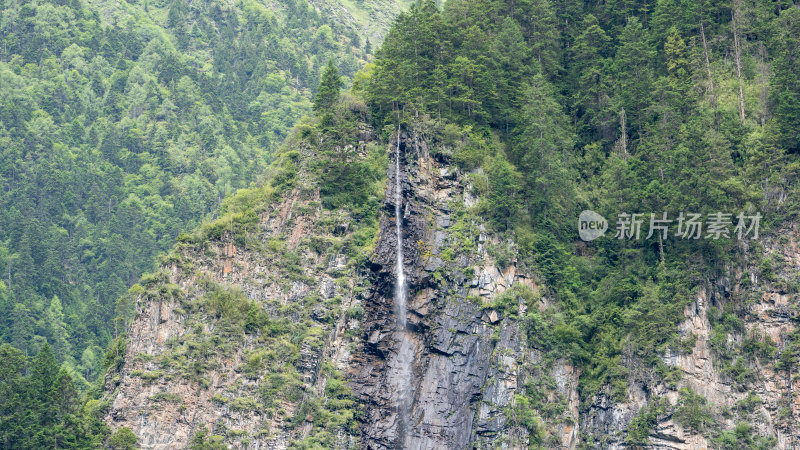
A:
{"x": 470, "y": 353}
{"x": 189, "y": 372}
{"x": 738, "y": 374}
{"x": 280, "y": 329}
{"x": 238, "y": 339}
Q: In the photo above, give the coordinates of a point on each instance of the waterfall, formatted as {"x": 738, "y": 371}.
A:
{"x": 400, "y": 285}
{"x": 404, "y": 359}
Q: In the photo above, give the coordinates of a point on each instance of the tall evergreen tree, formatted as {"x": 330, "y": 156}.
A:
{"x": 22, "y": 327}
{"x": 544, "y": 152}
{"x": 59, "y": 335}
{"x": 13, "y": 365}
{"x": 634, "y": 75}
{"x": 537, "y": 19}
{"x": 512, "y": 64}
{"x": 592, "y": 88}
{"x": 505, "y": 189}
{"x": 785, "y": 82}
{"x": 678, "y": 80}
{"x": 328, "y": 90}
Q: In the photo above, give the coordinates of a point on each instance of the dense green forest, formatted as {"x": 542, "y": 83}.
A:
{"x": 40, "y": 405}
{"x": 122, "y": 124}
{"x": 615, "y": 107}
{"x": 115, "y": 137}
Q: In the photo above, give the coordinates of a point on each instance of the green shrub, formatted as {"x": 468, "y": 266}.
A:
{"x": 202, "y": 441}
{"x": 219, "y": 399}
{"x": 355, "y": 312}
{"x": 739, "y": 373}
{"x": 693, "y": 412}
{"x": 228, "y": 303}
{"x": 255, "y": 361}
{"x": 470, "y": 153}
{"x": 122, "y": 439}
{"x": 245, "y": 404}
{"x": 169, "y": 397}
{"x": 147, "y": 377}
{"x": 645, "y": 421}
{"x": 523, "y": 414}
{"x": 749, "y": 403}
{"x": 743, "y": 438}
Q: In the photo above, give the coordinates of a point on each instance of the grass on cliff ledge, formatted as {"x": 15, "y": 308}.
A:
{"x": 325, "y": 154}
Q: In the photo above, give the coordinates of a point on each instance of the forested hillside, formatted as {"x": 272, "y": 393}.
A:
{"x": 618, "y": 107}
{"x": 503, "y": 121}
{"x": 672, "y": 106}
{"x": 125, "y": 123}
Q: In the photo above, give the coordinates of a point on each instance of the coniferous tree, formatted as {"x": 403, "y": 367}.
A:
{"x": 537, "y": 19}
{"x": 13, "y": 365}
{"x": 785, "y": 82}
{"x": 505, "y": 188}
{"x": 678, "y": 69}
{"x": 634, "y": 74}
{"x": 118, "y": 141}
{"x": 543, "y": 148}
{"x": 54, "y": 317}
{"x": 328, "y": 90}
{"x": 22, "y": 327}
{"x": 592, "y": 88}
{"x": 512, "y": 64}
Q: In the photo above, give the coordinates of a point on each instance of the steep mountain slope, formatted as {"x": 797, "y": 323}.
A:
{"x": 471, "y": 362}
{"x": 256, "y": 336}
{"x": 731, "y": 386}
{"x": 276, "y": 326}
{"x": 124, "y": 123}
{"x": 243, "y": 336}
{"x": 284, "y": 323}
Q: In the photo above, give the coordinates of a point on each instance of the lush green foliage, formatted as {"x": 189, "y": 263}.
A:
{"x": 40, "y": 406}
{"x": 786, "y": 79}
{"x": 329, "y": 87}
{"x": 122, "y": 124}
{"x": 743, "y": 437}
{"x": 693, "y": 413}
{"x": 644, "y": 422}
{"x": 122, "y": 439}
{"x": 610, "y": 107}
{"x": 118, "y": 132}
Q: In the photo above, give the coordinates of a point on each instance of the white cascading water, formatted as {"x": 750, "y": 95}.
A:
{"x": 400, "y": 285}
{"x": 404, "y": 359}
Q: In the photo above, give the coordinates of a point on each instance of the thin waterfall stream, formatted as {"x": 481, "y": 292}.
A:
{"x": 400, "y": 285}
{"x": 405, "y": 353}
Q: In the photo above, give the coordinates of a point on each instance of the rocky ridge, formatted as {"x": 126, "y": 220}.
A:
{"x": 471, "y": 352}
{"x": 188, "y": 371}
{"x": 478, "y": 381}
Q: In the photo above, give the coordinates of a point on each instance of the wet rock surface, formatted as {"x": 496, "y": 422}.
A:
{"x": 467, "y": 359}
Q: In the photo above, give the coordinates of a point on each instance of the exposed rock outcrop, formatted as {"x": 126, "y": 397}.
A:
{"x": 470, "y": 358}
{"x": 196, "y": 369}
{"x": 234, "y": 340}
{"x": 756, "y": 391}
